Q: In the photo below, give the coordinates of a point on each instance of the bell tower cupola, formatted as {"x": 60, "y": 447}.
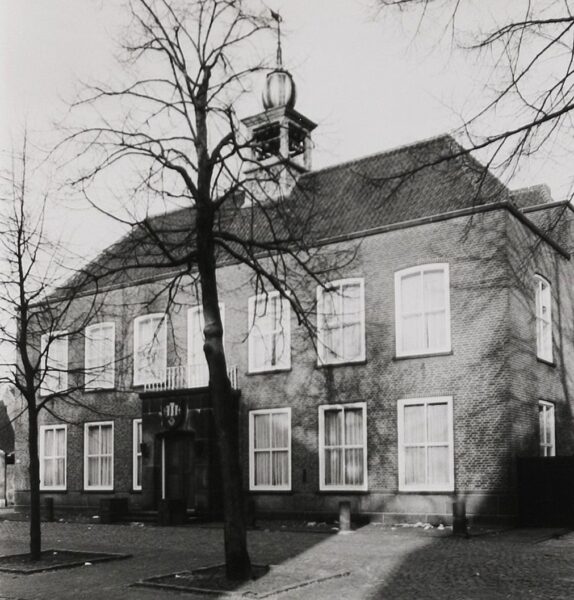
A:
{"x": 280, "y": 136}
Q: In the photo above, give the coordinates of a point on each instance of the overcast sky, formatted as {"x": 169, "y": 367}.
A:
{"x": 368, "y": 81}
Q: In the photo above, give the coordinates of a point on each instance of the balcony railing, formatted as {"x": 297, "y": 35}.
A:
{"x": 187, "y": 377}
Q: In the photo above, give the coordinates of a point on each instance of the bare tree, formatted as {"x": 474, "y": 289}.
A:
{"x": 530, "y": 47}
{"x": 176, "y": 121}
{"x": 31, "y": 321}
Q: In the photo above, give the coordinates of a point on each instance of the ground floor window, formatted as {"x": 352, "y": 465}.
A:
{"x": 53, "y": 457}
{"x": 270, "y": 449}
{"x": 99, "y": 456}
{"x": 547, "y": 429}
{"x": 343, "y": 447}
{"x": 425, "y": 431}
{"x": 137, "y": 454}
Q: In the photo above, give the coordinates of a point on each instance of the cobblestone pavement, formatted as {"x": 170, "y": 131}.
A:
{"x": 387, "y": 563}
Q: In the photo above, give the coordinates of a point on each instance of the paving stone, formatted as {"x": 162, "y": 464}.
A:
{"x": 387, "y": 563}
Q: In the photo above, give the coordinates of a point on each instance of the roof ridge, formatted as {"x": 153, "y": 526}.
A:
{"x": 391, "y": 151}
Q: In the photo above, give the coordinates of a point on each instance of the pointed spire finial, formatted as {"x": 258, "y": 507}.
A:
{"x": 277, "y": 17}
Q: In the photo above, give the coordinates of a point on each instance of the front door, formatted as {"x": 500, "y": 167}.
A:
{"x": 179, "y": 473}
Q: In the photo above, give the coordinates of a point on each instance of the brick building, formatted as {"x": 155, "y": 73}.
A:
{"x": 443, "y": 351}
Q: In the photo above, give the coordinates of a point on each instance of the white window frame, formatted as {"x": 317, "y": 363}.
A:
{"x": 267, "y": 411}
{"x": 57, "y": 337}
{"x": 283, "y": 330}
{"x": 197, "y": 371}
{"x": 136, "y": 453}
{"x": 345, "y": 487}
{"x": 87, "y": 427}
{"x": 547, "y": 447}
{"x": 329, "y": 287}
{"x": 399, "y": 314}
{"x": 544, "y": 341}
{"x": 43, "y": 457}
{"x": 161, "y": 329}
{"x": 93, "y": 378}
{"x": 426, "y": 487}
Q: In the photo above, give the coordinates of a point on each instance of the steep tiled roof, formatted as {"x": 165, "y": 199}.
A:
{"x": 428, "y": 178}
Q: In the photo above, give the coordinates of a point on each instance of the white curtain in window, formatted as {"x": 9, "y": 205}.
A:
{"x": 138, "y": 454}
{"x": 100, "y": 356}
{"x": 423, "y": 310}
{"x": 54, "y": 457}
{"x": 343, "y": 446}
{"x": 426, "y": 443}
{"x": 106, "y": 456}
{"x": 546, "y": 418}
{"x": 351, "y": 321}
{"x": 271, "y": 449}
{"x": 543, "y": 319}
{"x": 56, "y": 362}
{"x": 434, "y": 293}
{"x": 354, "y": 442}
{"x": 341, "y": 322}
{"x": 100, "y": 455}
{"x": 151, "y": 351}
{"x": 269, "y": 323}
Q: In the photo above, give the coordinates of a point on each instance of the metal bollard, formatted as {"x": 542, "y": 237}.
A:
{"x": 459, "y": 522}
{"x": 345, "y": 517}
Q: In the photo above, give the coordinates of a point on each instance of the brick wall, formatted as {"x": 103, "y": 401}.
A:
{"x": 492, "y": 373}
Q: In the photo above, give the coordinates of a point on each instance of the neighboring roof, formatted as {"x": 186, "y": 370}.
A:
{"x": 432, "y": 177}
{"x": 531, "y": 196}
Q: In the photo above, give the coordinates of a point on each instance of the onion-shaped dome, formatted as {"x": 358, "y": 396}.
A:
{"x": 279, "y": 90}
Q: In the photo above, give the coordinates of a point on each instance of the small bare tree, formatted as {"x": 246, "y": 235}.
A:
{"x": 176, "y": 121}
{"x": 31, "y": 323}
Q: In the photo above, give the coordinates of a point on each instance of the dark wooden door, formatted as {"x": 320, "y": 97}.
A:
{"x": 179, "y": 469}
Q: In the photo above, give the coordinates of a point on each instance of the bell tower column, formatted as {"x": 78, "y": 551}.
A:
{"x": 280, "y": 136}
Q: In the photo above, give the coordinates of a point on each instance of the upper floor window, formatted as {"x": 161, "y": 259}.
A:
{"x": 53, "y": 457}
{"x": 270, "y": 449}
{"x": 197, "y": 370}
{"x": 269, "y": 333}
{"x": 422, "y": 310}
{"x": 99, "y": 456}
{"x": 343, "y": 447}
{"x": 54, "y": 348}
{"x": 341, "y": 322}
{"x": 100, "y": 356}
{"x": 543, "y": 319}
{"x": 150, "y": 349}
{"x": 426, "y": 454}
{"x": 547, "y": 429}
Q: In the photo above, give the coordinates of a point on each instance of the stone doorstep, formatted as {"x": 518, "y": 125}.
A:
{"x": 92, "y": 557}
{"x": 246, "y": 592}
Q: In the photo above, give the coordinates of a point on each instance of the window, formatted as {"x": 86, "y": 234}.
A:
{"x": 53, "y": 457}
{"x": 150, "y": 353}
{"x": 198, "y": 373}
{"x": 547, "y": 435}
{"x": 99, "y": 456}
{"x": 270, "y": 449}
{"x": 426, "y": 460}
{"x": 100, "y": 356}
{"x": 137, "y": 454}
{"x": 543, "y": 319}
{"x": 422, "y": 310}
{"x": 269, "y": 333}
{"x": 54, "y": 348}
{"x": 341, "y": 322}
{"x": 343, "y": 447}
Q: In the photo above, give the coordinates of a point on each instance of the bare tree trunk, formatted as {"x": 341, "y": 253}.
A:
{"x": 237, "y": 562}
{"x": 34, "y": 472}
